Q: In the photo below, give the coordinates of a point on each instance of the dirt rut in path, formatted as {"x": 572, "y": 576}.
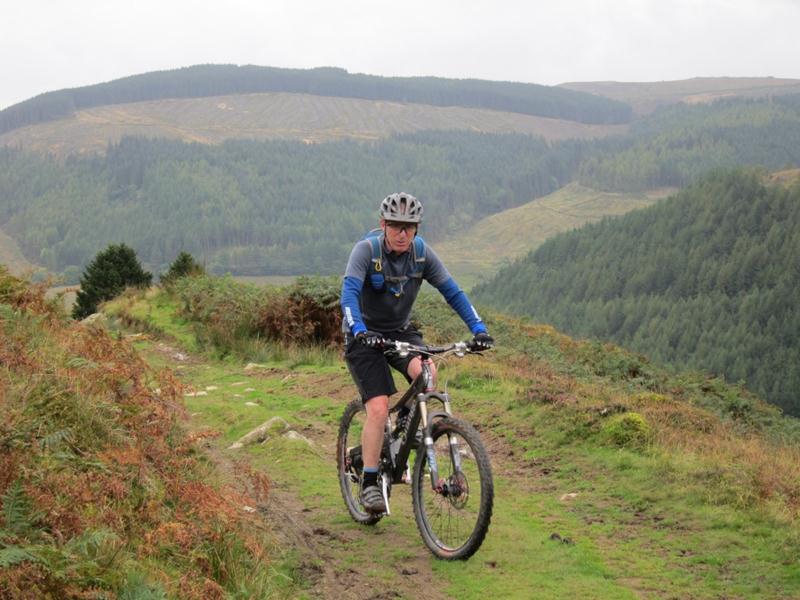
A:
{"x": 336, "y": 558}
{"x": 326, "y": 565}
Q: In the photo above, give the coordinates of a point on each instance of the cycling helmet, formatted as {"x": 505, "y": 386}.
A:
{"x": 401, "y": 207}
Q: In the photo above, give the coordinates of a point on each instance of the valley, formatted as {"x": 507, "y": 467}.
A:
{"x": 479, "y": 251}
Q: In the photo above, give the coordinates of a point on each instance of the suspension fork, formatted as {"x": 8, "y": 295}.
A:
{"x": 455, "y": 452}
{"x": 427, "y": 428}
{"x": 422, "y": 404}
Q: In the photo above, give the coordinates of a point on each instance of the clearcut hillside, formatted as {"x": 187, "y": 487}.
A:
{"x": 278, "y": 116}
{"x": 215, "y": 80}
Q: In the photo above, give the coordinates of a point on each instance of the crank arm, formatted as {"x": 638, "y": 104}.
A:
{"x": 385, "y": 492}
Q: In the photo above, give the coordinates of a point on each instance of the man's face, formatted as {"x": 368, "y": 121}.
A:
{"x": 399, "y": 236}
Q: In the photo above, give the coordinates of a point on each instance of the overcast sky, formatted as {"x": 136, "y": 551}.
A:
{"x": 52, "y": 44}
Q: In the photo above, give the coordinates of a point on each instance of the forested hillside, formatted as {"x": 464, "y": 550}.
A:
{"x": 265, "y": 207}
{"x": 707, "y": 279}
{"x": 493, "y": 242}
{"x": 280, "y": 207}
{"x": 218, "y": 80}
{"x": 677, "y": 144}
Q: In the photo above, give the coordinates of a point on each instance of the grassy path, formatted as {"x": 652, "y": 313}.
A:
{"x": 389, "y": 560}
{"x": 571, "y": 519}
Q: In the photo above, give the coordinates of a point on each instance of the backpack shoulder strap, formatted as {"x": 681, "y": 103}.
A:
{"x": 419, "y": 249}
{"x": 419, "y": 257}
{"x": 375, "y": 239}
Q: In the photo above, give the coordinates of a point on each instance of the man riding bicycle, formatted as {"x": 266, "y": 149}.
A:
{"x": 381, "y": 282}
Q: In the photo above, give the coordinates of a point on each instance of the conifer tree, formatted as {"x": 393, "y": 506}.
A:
{"x": 184, "y": 265}
{"x": 111, "y": 271}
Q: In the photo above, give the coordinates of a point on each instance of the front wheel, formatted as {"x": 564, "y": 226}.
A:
{"x": 453, "y": 519}
{"x": 348, "y": 461}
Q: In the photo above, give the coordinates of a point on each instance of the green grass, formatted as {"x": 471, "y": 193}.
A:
{"x": 155, "y": 313}
{"x": 519, "y": 555}
{"x": 644, "y": 521}
{"x": 502, "y": 237}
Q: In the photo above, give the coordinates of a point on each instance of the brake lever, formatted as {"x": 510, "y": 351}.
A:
{"x": 402, "y": 348}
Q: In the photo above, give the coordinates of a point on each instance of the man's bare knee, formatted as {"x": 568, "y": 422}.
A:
{"x": 377, "y": 407}
{"x": 415, "y": 368}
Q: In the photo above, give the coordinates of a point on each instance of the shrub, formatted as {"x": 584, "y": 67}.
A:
{"x": 230, "y": 314}
{"x": 111, "y": 271}
{"x": 607, "y": 360}
{"x": 308, "y": 313}
{"x": 628, "y": 430}
{"x": 21, "y": 295}
{"x": 102, "y": 494}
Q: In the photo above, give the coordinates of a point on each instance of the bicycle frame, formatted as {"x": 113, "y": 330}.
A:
{"x": 421, "y": 415}
{"x": 418, "y": 395}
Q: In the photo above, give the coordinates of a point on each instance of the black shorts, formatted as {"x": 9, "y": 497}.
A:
{"x": 370, "y": 367}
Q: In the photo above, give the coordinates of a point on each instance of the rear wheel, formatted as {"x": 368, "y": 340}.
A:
{"x": 454, "y": 518}
{"x": 349, "y": 463}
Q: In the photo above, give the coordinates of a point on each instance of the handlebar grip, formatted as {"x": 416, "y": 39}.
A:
{"x": 472, "y": 346}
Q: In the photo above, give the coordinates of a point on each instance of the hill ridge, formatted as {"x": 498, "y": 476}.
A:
{"x": 647, "y": 96}
{"x": 212, "y": 80}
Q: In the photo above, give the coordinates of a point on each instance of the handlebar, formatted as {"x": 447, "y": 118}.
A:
{"x": 405, "y": 348}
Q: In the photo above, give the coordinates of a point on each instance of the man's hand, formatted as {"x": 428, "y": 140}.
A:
{"x": 482, "y": 341}
{"x": 370, "y": 339}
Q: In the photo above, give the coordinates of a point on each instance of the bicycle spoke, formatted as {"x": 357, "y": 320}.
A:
{"x": 453, "y": 514}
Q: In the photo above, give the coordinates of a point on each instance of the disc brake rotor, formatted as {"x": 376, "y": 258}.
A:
{"x": 458, "y": 490}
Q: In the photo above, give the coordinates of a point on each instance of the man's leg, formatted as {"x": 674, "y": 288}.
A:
{"x": 371, "y": 443}
{"x": 372, "y": 436}
{"x": 415, "y": 368}
{"x": 374, "y": 380}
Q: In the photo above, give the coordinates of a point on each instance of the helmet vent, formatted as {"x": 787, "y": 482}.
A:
{"x": 401, "y": 207}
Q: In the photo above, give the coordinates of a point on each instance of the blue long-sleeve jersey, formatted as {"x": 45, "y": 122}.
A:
{"x": 388, "y": 309}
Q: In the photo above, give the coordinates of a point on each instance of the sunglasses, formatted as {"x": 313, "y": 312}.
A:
{"x": 408, "y": 227}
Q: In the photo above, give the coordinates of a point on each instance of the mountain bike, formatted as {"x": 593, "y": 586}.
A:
{"x": 451, "y": 482}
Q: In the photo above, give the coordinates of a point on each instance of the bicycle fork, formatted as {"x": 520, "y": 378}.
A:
{"x": 455, "y": 456}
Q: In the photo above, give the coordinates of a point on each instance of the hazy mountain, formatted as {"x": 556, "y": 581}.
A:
{"x": 645, "y": 97}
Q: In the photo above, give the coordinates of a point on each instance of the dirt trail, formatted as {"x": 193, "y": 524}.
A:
{"x": 336, "y": 558}
{"x": 320, "y": 548}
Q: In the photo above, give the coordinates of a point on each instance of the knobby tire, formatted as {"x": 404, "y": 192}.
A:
{"x": 435, "y": 513}
{"x": 349, "y": 437}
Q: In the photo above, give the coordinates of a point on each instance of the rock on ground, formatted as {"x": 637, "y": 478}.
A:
{"x": 275, "y": 426}
{"x": 293, "y": 435}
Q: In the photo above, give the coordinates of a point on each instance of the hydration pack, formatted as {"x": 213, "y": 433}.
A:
{"x": 379, "y": 281}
